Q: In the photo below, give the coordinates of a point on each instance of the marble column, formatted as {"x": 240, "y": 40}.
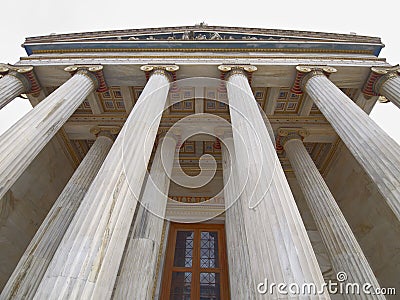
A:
{"x": 279, "y": 247}
{"x": 15, "y": 81}
{"x": 137, "y": 274}
{"x": 241, "y": 285}
{"x": 34, "y": 262}
{"x": 20, "y": 144}
{"x": 10, "y": 87}
{"x": 372, "y": 147}
{"x": 87, "y": 261}
{"x": 344, "y": 251}
{"x": 387, "y": 83}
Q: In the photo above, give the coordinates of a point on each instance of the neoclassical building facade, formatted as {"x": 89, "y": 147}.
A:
{"x": 199, "y": 162}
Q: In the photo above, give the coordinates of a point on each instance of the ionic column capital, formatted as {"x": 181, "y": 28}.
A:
{"x": 172, "y": 133}
{"x": 287, "y": 134}
{"x": 377, "y": 77}
{"x": 107, "y": 131}
{"x": 229, "y": 70}
{"x": 94, "y": 72}
{"x": 25, "y": 75}
{"x": 168, "y": 71}
{"x": 304, "y": 73}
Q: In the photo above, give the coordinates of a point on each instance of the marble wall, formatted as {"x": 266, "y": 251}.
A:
{"x": 370, "y": 218}
{"x": 26, "y": 204}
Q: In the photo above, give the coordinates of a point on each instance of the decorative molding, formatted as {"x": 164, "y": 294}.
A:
{"x": 377, "y": 77}
{"x": 88, "y": 118}
{"x": 190, "y": 199}
{"x": 95, "y": 72}
{"x": 25, "y": 74}
{"x": 195, "y": 212}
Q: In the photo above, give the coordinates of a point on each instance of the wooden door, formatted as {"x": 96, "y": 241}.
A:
{"x": 196, "y": 266}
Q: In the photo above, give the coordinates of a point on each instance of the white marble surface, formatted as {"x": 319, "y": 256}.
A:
{"x": 20, "y": 144}
{"x": 373, "y": 148}
{"x": 240, "y": 279}
{"x": 138, "y": 270}
{"x": 34, "y": 262}
{"x": 26, "y": 204}
{"x": 87, "y": 261}
{"x": 278, "y": 243}
{"x": 10, "y": 87}
{"x": 391, "y": 90}
{"x": 343, "y": 248}
{"x": 372, "y": 221}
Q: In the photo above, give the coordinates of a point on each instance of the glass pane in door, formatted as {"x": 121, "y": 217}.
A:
{"x": 209, "y": 249}
{"x": 184, "y": 249}
{"x": 209, "y": 286}
{"x": 181, "y": 286}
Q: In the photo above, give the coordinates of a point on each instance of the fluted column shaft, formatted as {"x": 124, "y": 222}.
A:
{"x": 391, "y": 90}
{"x": 34, "y": 262}
{"x": 278, "y": 243}
{"x": 20, "y": 144}
{"x": 137, "y": 276}
{"x": 344, "y": 250}
{"x": 86, "y": 263}
{"x": 372, "y": 147}
{"x": 241, "y": 285}
{"x": 10, "y": 87}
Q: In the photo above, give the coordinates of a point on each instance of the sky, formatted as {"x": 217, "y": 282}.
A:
{"x": 24, "y": 18}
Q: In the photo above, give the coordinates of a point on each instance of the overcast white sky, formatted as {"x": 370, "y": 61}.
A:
{"x": 40, "y": 17}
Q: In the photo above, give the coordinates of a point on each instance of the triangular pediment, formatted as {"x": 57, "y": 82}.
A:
{"x": 204, "y": 32}
{"x": 203, "y": 38}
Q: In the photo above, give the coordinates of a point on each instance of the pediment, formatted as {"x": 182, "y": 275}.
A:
{"x": 203, "y": 32}
{"x": 203, "y": 38}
